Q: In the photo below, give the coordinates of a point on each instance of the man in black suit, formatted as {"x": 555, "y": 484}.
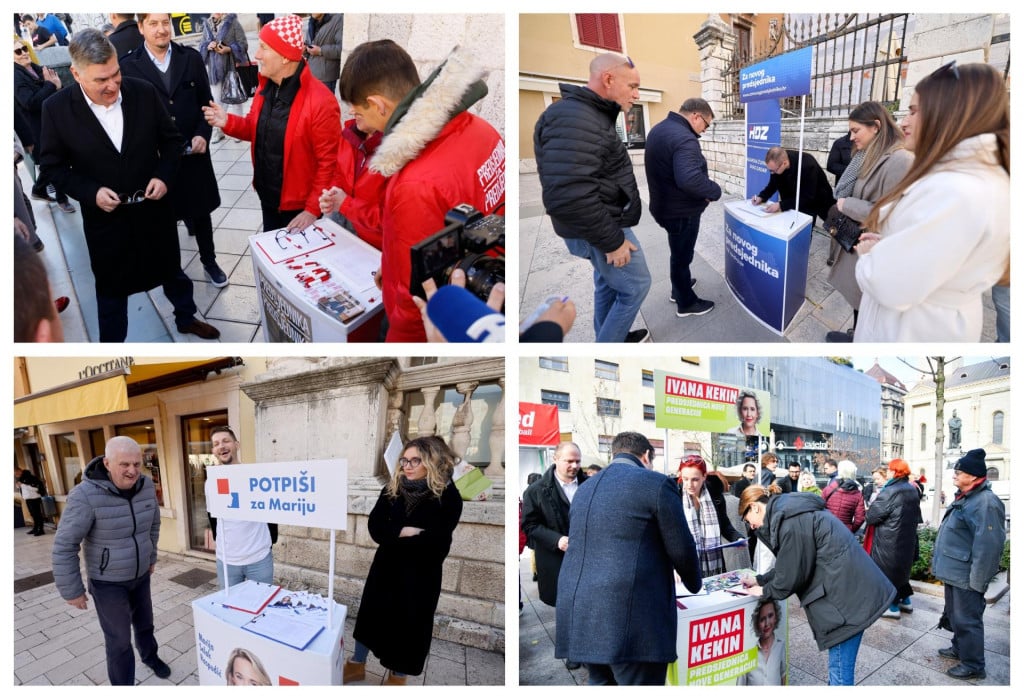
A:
{"x": 179, "y": 76}
{"x": 111, "y": 145}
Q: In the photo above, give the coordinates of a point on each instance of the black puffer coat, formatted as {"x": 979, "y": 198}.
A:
{"x": 585, "y": 171}
{"x": 895, "y": 514}
{"x": 840, "y": 588}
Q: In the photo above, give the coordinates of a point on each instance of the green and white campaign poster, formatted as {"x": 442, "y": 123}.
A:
{"x": 687, "y": 403}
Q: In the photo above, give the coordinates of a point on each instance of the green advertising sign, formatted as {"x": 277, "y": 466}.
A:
{"x": 687, "y": 403}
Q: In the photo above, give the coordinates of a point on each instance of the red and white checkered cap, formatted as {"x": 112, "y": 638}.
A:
{"x": 284, "y": 35}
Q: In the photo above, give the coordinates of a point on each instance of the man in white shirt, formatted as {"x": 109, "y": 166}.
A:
{"x": 546, "y": 516}
{"x": 109, "y": 143}
{"x": 244, "y": 546}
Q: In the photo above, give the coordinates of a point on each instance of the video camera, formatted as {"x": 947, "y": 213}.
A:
{"x": 469, "y": 241}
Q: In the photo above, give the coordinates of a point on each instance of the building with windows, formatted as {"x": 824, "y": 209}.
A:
{"x": 980, "y": 395}
{"x": 598, "y": 397}
{"x": 558, "y": 47}
{"x": 893, "y": 392}
{"x": 818, "y": 409}
{"x": 284, "y": 410}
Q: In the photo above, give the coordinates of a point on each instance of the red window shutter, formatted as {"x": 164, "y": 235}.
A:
{"x": 599, "y": 30}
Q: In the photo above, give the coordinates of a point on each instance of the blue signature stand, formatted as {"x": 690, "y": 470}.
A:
{"x": 766, "y": 262}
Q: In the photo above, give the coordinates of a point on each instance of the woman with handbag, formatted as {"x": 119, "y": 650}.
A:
{"x": 223, "y": 47}
{"x": 879, "y": 162}
{"x": 941, "y": 238}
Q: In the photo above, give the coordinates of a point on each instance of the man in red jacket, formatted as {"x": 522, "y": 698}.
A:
{"x": 434, "y": 153}
{"x": 294, "y": 126}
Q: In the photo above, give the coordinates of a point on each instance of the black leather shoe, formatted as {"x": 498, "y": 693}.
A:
{"x": 949, "y": 653}
{"x": 159, "y": 668}
{"x": 962, "y": 673}
{"x": 569, "y": 665}
{"x": 201, "y": 329}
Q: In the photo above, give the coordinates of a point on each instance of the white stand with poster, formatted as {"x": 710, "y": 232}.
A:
{"x": 303, "y": 493}
{"x": 716, "y": 639}
{"x": 219, "y": 637}
{"x": 294, "y": 271}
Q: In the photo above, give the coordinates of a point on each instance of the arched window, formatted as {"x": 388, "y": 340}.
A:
{"x": 997, "y": 427}
{"x": 924, "y": 436}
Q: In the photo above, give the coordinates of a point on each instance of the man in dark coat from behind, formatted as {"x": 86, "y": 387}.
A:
{"x": 184, "y": 88}
{"x": 616, "y": 593}
{"x": 119, "y": 170}
{"x": 126, "y": 36}
{"x": 546, "y": 516}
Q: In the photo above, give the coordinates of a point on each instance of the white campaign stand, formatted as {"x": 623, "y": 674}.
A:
{"x": 219, "y": 633}
{"x": 303, "y": 493}
{"x": 293, "y": 270}
{"x": 715, "y": 641}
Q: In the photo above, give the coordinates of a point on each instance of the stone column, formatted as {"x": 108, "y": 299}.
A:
{"x": 427, "y": 424}
{"x": 462, "y": 421}
{"x": 496, "y": 440}
{"x": 717, "y": 44}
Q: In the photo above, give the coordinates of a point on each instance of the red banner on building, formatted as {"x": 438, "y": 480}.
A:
{"x": 538, "y": 424}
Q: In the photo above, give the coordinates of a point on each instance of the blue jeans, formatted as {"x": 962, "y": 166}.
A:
{"x": 1001, "y": 299}
{"x": 841, "y": 660}
{"x": 360, "y": 653}
{"x": 122, "y": 606}
{"x": 627, "y": 674}
{"x": 618, "y": 291}
{"x": 964, "y": 609}
{"x": 260, "y": 571}
{"x": 682, "y": 239}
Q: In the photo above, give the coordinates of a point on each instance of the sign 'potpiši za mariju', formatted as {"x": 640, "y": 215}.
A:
{"x": 688, "y": 403}
{"x": 304, "y": 493}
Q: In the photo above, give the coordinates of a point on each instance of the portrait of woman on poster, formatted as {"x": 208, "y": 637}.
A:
{"x": 771, "y": 650}
{"x": 748, "y": 409}
{"x": 244, "y": 669}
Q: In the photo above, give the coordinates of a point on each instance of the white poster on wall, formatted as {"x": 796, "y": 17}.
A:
{"x": 303, "y": 493}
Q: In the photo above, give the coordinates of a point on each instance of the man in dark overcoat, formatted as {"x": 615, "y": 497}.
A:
{"x": 179, "y": 76}
{"x": 110, "y": 144}
{"x": 546, "y": 516}
{"x": 616, "y": 608}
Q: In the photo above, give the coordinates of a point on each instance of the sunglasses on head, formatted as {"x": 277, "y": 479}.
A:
{"x": 947, "y": 68}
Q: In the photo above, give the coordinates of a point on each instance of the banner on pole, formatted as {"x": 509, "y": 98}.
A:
{"x": 305, "y": 493}
{"x": 687, "y": 403}
{"x": 538, "y": 425}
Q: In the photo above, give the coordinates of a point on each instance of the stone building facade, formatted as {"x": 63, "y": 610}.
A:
{"x": 318, "y": 408}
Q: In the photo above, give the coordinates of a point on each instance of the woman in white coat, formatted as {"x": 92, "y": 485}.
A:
{"x": 943, "y": 234}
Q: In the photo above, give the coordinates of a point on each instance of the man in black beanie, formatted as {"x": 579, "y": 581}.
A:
{"x": 967, "y": 552}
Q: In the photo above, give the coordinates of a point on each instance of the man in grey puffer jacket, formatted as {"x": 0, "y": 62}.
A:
{"x": 113, "y": 515}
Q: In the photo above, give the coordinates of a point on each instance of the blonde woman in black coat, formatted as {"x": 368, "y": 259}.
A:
{"x": 412, "y": 523}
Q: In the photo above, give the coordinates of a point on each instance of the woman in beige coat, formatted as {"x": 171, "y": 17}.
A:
{"x": 880, "y": 161}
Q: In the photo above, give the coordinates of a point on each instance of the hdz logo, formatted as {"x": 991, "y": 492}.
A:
{"x": 758, "y": 133}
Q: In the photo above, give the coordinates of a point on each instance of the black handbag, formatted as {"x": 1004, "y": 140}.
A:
{"x": 232, "y": 91}
{"x": 249, "y": 73}
{"x": 844, "y": 229}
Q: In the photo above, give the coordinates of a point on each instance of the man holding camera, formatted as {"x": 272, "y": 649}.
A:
{"x": 435, "y": 153}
